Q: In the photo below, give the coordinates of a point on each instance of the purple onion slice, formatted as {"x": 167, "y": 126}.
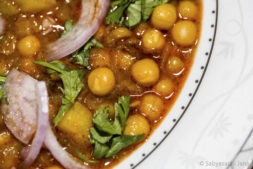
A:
{"x": 62, "y": 156}
{"x": 92, "y": 15}
{"x": 1, "y": 25}
{"x": 19, "y": 105}
{"x": 31, "y": 152}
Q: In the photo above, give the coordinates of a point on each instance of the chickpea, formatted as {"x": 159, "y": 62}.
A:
{"x": 29, "y": 45}
{"x": 54, "y": 167}
{"x": 187, "y": 9}
{"x": 175, "y": 65}
{"x": 164, "y": 87}
{"x": 137, "y": 124}
{"x": 121, "y": 33}
{"x": 184, "y": 33}
{"x": 99, "y": 58}
{"x": 145, "y": 72}
{"x": 111, "y": 108}
{"x": 151, "y": 106}
{"x": 153, "y": 40}
{"x": 123, "y": 60}
{"x": 141, "y": 29}
{"x": 164, "y": 16}
{"x": 101, "y": 81}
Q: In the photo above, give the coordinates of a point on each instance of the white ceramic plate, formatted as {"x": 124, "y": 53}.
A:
{"x": 203, "y": 54}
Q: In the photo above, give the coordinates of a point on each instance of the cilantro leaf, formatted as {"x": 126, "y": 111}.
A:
{"x": 117, "y": 10}
{"x": 84, "y": 158}
{"x": 102, "y": 122}
{"x": 67, "y": 28}
{"x": 2, "y": 80}
{"x": 131, "y": 12}
{"x": 149, "y": 5}
{"x": 72, "y": 85}
{"x": 122, "y": 109}
{"x": 96, "y": 136}
{"x": 121, "y": 142}
{"x": 100, "y": 150}
{"x": 106, "y": 135}
{"x": 81, "y": 57}
{"x": 134, "y": 14}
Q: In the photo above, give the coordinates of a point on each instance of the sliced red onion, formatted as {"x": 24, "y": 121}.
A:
{"x": 30, "y": 153}
{"x": 19, "y": 105}
{"x": 62, "y": 156}
{"x": 92, "y": 14}
{"x": 1, "y": 25}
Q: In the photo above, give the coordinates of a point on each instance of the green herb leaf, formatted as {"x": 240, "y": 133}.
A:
{"x": 120, "y": 142}
{"x": 2, "y": 80}
{"x": 118, "y": 7}
{"x": 134, "y": 14}
{"x": 102, "y": 122}
{"x": 100, "y": 150}
{"x": 53, "y": 67}
{"x": 68, "y": 27}
{"x": 149, "y": 5}
{"x": 131, "y": 12}
{"x": 98, "y": 137}
{"x": 81, "y": 57}
{"x": 122, "y": 109}
{"x": 72, "y": 85}
{"x": 85, "y": 159}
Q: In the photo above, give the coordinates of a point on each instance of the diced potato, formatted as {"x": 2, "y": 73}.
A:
{"x": 54, "y": 167}
{"x": 76, "y": 123}
{"x": 7, "y": 8}
{"x": 4, "y": 137}
{"x": 35, "y": 5}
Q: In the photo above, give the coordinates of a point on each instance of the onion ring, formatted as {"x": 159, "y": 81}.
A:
{"x": 2, "y": 24}
{"x": 93, "y": 13}
{"x": 62, "y": 156}
{"x": 30, "y": 153}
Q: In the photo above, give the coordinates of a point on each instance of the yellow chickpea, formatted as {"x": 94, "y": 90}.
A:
{"x": 164, "y": 87}
{"x": 153, "y": 40}
{"x": 137, "y": 124}
{"x": 99, "y": 58}
{"x": 187, "y": 9}
{"x": 151, "y": 106}
{"x": 29, "y": 45}
{"x": 175, "y": 65}
{"x": 121, "y": 33}
{"x": 123, "y": 60}
{"x": 145, "y": 72}
{"x": 184, "y": 33}
{"x": 101, "y": 81}
{"x": 111, "y": 108}
{"x": 164, "y": 16}
{"x": 54, "y": 167}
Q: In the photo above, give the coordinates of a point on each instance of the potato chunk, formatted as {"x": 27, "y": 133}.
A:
{"x": 76, "y": 123}
{"x": 35, "y": 5}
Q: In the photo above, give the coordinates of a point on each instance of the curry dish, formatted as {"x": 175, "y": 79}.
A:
{"x": 85, "y": 82}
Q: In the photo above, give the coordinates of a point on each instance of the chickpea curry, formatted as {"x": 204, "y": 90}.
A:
{"x": 85, "y": 82}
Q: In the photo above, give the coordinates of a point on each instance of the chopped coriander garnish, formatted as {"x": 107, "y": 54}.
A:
{"x": 131, "y": 12}
{"x": 81, "y": 56}
{"x": 84, "y": 158}
{"x": 2, "y": 80}
{"x": 67, "y": 27}
{"x": 72, "y": 82}
{"x": 107, "y": 135}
